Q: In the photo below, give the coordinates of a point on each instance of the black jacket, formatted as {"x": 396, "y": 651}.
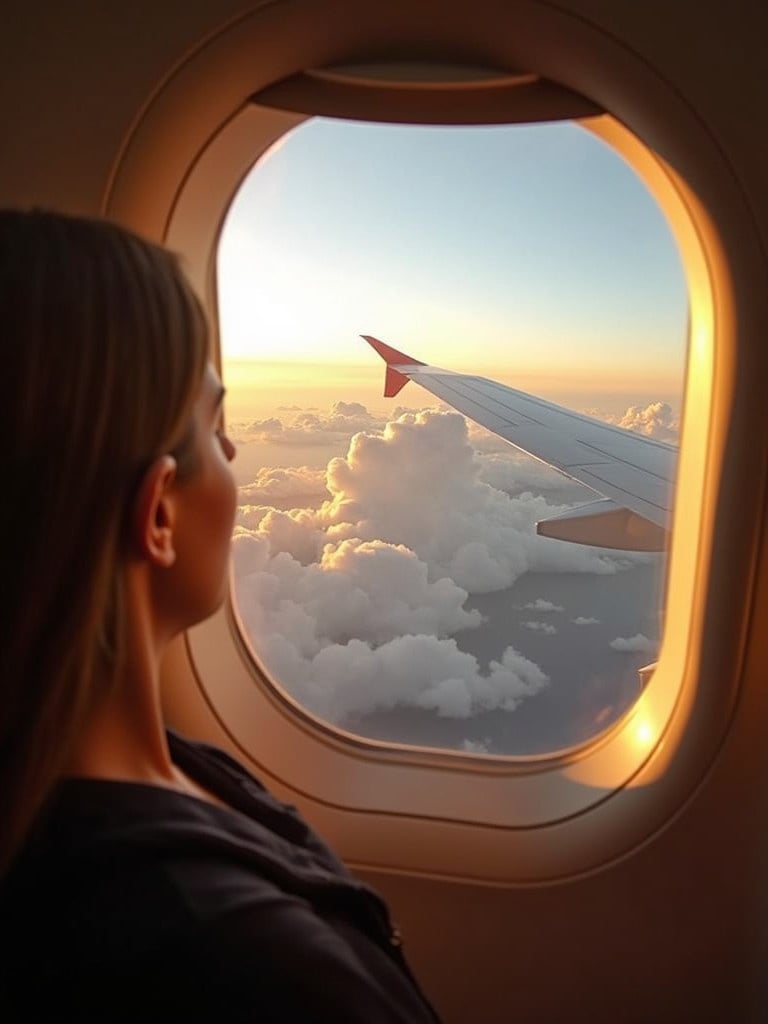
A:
{"x": 134, "y": 902}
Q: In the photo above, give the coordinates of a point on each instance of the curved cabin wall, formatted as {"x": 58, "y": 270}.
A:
{"x": 676, "y": 929}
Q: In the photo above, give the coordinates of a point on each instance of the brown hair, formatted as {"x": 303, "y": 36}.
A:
{"x": 103, "y": 350}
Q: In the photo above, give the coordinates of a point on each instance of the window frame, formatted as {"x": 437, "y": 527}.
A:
{"x": 532, "y": 818}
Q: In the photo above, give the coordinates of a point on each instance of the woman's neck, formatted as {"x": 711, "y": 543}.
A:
{"x": 124, "y": 735}
{"x": 120, "y": 746}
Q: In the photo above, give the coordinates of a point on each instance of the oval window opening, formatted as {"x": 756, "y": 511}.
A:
{"x": 388, "y": 572}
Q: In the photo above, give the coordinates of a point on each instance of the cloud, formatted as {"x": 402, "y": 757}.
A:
{"x": 305, "y": 429}
{"x": 350, "y": 410}
{"x": 540, "y": 605}
{"x": 354, "y": 605}
{"x": 482, "y": 746}
{"x": 364, "y": 630}
{"x": 583, "y": 620}
{"x": 540, "y": 627}
{"x": 294, "y": 532}
{"x": 367, "y": 590}
{"x": 407, "y": 410}
{"x": 657, "y": 419}
{"x": 309, "y": 428}
{"x": 417, "y": 483}
{"x": 415, "y": 671}
{"x": 272, "y": 484}
{"x": 259, "y": 427}
{"x": 636, "y": 643}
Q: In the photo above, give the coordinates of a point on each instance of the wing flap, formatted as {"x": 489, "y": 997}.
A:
{"x": 605, "y": 524}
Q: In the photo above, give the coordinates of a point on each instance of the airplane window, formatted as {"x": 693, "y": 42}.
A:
{"x": 389, "y": 573}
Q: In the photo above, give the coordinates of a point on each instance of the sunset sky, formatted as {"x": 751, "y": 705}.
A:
{"x": 532, "y": 254}
{"x": 387, "y": 568}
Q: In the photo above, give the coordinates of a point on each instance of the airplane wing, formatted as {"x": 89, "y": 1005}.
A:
{"x": 634, "y": 475}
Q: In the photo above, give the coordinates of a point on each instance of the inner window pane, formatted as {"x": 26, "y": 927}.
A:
{"x": 387, "y": 569}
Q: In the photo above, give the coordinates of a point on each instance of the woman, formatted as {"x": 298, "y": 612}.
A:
{"x": 144, "y": 877}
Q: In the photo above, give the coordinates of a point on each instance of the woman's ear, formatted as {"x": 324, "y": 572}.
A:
{"x": 154, "y": 514}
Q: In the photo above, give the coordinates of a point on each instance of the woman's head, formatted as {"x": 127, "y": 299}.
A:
{"x": 104, "y": 353}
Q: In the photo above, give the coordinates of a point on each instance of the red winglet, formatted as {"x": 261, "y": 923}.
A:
{"x": 394, "y": 381}
{"x": 391, "y": 355}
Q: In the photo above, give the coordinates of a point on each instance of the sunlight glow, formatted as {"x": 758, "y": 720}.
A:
{"x": 644, "y": 733}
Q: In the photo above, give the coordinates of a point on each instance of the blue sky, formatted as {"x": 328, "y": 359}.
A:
{"x": 524, "y": 249}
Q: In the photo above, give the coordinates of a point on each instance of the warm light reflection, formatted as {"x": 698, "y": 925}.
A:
{"x": 643, "y": 733}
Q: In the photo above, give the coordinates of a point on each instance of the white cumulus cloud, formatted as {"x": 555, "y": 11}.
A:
{"x": 309, "y": 428}
{"x": 366, "y": 590}
{"x": 279, "y": 484}
{"x": 585, "y": 620}
{"x": 354, "y": 605}
{"x": 636, "y": 643}
{"x": 542, "y": 605}
{"x": 541, "y": 627}
{"x": 417, "y": 483}
{"x": 413, "y": 670}
{"x": 657, "y": 419}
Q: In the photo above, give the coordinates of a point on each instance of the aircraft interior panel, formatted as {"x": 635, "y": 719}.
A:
{"x": 622, "y": 879}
